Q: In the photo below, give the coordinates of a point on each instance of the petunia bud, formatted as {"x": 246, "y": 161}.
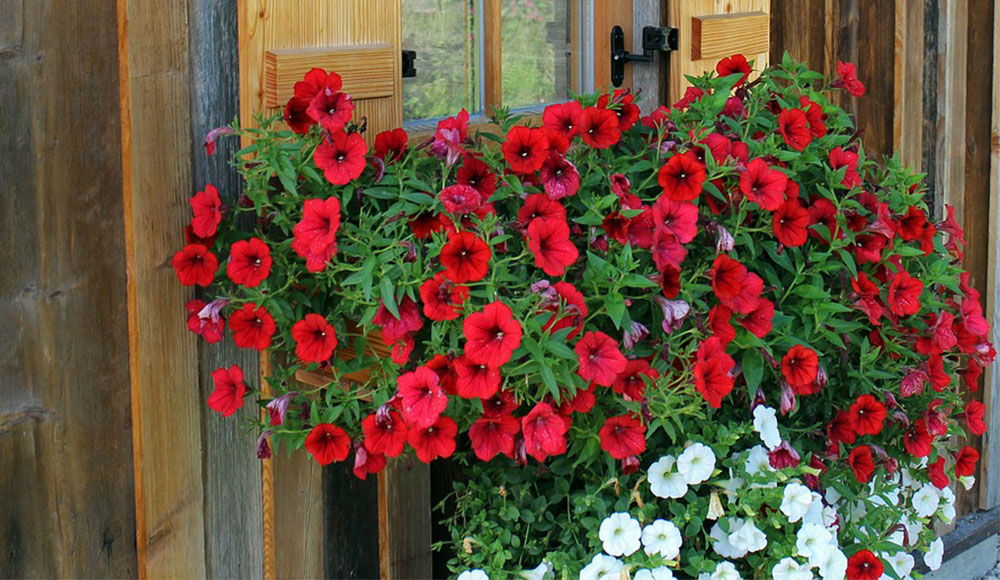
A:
{"x": 212, "y": 309}
{"x": 263, "y": 447}
{"x": 912, "y": 384}
{"x": 787, "y": 398}
{"x": 630, "y": 464}
{"x": 667, "y": 146}
{"x": 520, "y": 452}
{"x": 767, "y": 357}
{"x": 821, "y": 378}
{"x": 620, "y": 184}
{"x": 758, "y": 399}
{"x": 715, "y": 510}
{"x": 277, "y": 408}
{"x": 634, "y": 334}
{"x": 599, "y": 243}
{"x": 674, "y": 313}
{"x": 724, "y": 241}
{"x": 411, "y": 251}
{"x": 783, "y": 456}
{"x": 215, "y": 134}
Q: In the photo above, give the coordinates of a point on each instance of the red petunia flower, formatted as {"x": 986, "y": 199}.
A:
{"x": 935, "y": 472}
{"x": 549, "y": 241}
{"x": 316, "y": 233}
{"x": 867, "y": 415}
{"x": 249, "y": 262}
{"x": 720, "y": 323}
{"x": 385, "y": 432}
{"x": 423, "y": 399}
{"x": 492, "y": 335}
{"x": 599, "y": 358}
{"x": 840, "y": 158}
{"x": 396, "y": 329}
{"x": 559, "y": 177}
{"x": 195, "y": 265}
{"x": 917, "y": 439}
{"x": 460, "y": 199}
{"x": 475, "y": 380}
{"x": 630, "y": 382}
{"x": 667, "y": 249}
{"x": 682, "y": 177}
{"x": 565, "y": 118}
{"x": 677, "y": 217}
{"x": 974, "y": 412}
{"x": 466, "y": 258}
{"x": 733, "y": 65}
{"x": 599, "y": 128}
{"x": 849, "y": 79}
{"x": 391, "y": 145}
{"x": 317, "y": 80}
{"x": 315, "y": 339}
{"x": 229, "y": 390}
{"x": 296, "y": 115}
{"x": 442, "y": 367}
{"x": 494, "y": 434}
{"x": 475, "y": 173}
{"x": 763, "y": 185}
{"x": 328, "y": 443}
{"x": 691, "y": 94}
{"x": 623, "y": 436}
{"x": 814, "y": 115}
{"x": 840, "y": 429}
{"x": 435, "y": 440}
{"x": 331, "y": 109}
{"x": 442, "y": 298}
{"x": 761, "y": 319}
{"x": 623, "y": 104}
{"x": 544, "y": 432}
{"x": 525, "y": 149}
{"x": 904, "y": 294}
{"x": 366, "y": 463}
{"x": 206, "y": 209}
{"x": 711, "y": 371}
{"x": 252, "y": 327}
{"x": 424, "y": 224}
{"x": 539, "y": 206}
{"x": 794, "y": 127}
{"x": 864, "y": 565}
{"x": 341, "y": 157}
{"x": 735, "y": 287}
{"x": 799, "y": 366}
{"x": 211, "y": 327}
{"x": 790, "y": 223}
{"x": 965, "y": 461}
{"x": 861, "y": 463}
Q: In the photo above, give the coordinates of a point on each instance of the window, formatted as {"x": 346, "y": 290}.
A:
{"x": 480, "y": 54}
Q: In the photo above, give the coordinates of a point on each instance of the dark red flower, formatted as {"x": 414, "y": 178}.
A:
{"x": 466, "y": 258}
{"x": 391, "y": 145}
{"x": 911, "y": 226}
{"x": 249, "y": 262}
{"x": 315, "y": 81}
{"x": 315, "y": 339}
{"x": 814, "y": 115}
{"x": 599, "y": 358}
{"x": 734, "y": 65}
{"x": 549, "y": 241}
{"x": 422, "y": 397}
{"x": 565, "y": 118}
{"x": 331, "y": 109}
{"x": 316, "y": 233}
{"x": 366, "y": 463}
{"x": 868, "y": 248}
{"x": 735, "y": 287}
{"x": 904, "y": 294}
{"x": 623, "y": 436}
{"x": 525, "y": 149}
{"x": 599, "y": 128}
{"x": 677, "y": 217}
{"x": 475, "y": 380}
{"x": 682, "y": 177}
{"x": 691, "y": 94}
{"x": 206, "y": 210}
{"x": 761, "y": 319}
{"x": 475, "y": 173}
{"x": 460, "y": 199}
{"x": 208, "y": 326}
{"x": 573, "y": 306}
{"x": 442, "y": 298}
{"x": 328, "y": 443}
{"x": 763, "y": 185}
{"x": 974, "y": 412}
{"x": 864, "y": 565}
{"x": 794, "y": 127}
{"x": 840, "y": 158}
{"x": 849, "y": 79}
{"x": 840, "y": 429}
{"x": 252, "y": 327}
{"x": 822, "y": 211}
{"x": 229, "y": 390}
{"x": 667, "y": 250}
{"x": 435, "y": 440}
{"x": 297, "y": 115}
{"x": 790, "y": 223}
{"x": 711, "y": 371}
{"x": 395, "y": 329}
{"x": 867, "y": 415}
{"x": 559, "y": 177}
{"x": 341, "y": 157}
{"x": 783, "y": 456}
{"x": 861, "y": 463}
{"x": 195, "y": 265}
{"x": 719, "y": 322}
{"x": 544, "y": 432}
{"x": 631, "y": 383}
{"x": 492, "y": 335}
{"x": 917, "y": 439}
{"x": 965, "y": 461}
{"x": 385, "y": 432}
{"x": 799, "y": 366}
{"x": 493, "y": 434}
{"x": 424, "y": 224}
{"x": 623, "y": 104}
{"x": 935, "y": 472}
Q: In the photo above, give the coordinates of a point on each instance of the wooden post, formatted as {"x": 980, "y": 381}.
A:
{"x": 652, "y": 77}
{"x": 989, "y": 492}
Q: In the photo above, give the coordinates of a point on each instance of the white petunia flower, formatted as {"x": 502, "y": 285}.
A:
{"x": 832, "y": 565}
{"x": 664, "y": 481}
{"x": 813, "y": 541}
{"x": 473, "y": 575}
{"x": 913, "y": 528}
{"x": 815, "y": 513}
{"x": 543, "y": 571}
{"x": 725, "y": 571}
{"x": 901, "y": 562}
{"x": 746, "y": 536}
{"x": 796, "y": 501}
{"x": 967, "y": 481}
{"x": 758, "y": 461}
{"x": 765, "y": 422}
{"x": 721, "y": 543}
{"x": 661, "y": 573}
{"x": 789, "y": 569}
{"x": 620, "y": 534}
{"x": 602, "y": 567}
{"x": 662, "y": 537}
{"x": 926, "y": 500}
{"x": 696, "y": 463}
{"x": 935, "y": 553}
{"x": 947, "y": 508}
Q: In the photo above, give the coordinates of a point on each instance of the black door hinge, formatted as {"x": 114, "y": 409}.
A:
{"x": 654, "y": 39}
{"x": 409, "y": 64}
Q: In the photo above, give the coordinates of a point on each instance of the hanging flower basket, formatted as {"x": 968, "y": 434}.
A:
{"x": 715, "y": 341}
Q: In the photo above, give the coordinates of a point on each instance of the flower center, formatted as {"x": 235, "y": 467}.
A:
{"x": 340, "y": 157}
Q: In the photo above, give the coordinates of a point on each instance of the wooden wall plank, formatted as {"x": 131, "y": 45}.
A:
{"x": 949, "y": 184}
{"x": 608, "y": 13}
{"x": 908, "y": 84}
{"x": 65, "y": 442}
{"x": 156, "y": 151}
{"x": 404, "y": 520}
{"x": 351, "y": 551}
{"x": 650, "y": 78}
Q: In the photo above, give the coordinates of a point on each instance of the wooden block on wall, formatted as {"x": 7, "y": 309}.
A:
{"x": 720, "y": 36}
{"x": 367, "y": 70}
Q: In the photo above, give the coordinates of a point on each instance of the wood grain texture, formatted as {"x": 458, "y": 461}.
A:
{"x": 367, "y": 70}
{"x": 798, "y": 27}
{"x": 492, "y": 55}
{"x": 681, "y": 15}
{"x": 351, "y": 526}
{"x": 723, "y": 35}
{"x": 650, "y": 80}
{"x": 404, "y": 520}
{"x": 989, "y": 493}
{"x": 231, "y": 470}
{"x": 908, "y": 84}
{"x": 65, "y": 437}
{"x": 608, "y": 13}
{"x": 950, "y": 122}
{"x": 163, "y": 355}
{"x": 299, "y": 547}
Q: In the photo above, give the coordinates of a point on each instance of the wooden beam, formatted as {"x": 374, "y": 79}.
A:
{"x": 649, "y": 78}
{"x": 493, "y": 55}
{"x": 950, "y": 142}
{"x": 908, "y": 86}
{"x": 989, "y": 481}
{"x": 367, "y": 70}
{"x": 404, "y": 525}
{"x": 722, "y": 35}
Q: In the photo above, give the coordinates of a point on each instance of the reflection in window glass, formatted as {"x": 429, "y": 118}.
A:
{"x": 444, "y": 35}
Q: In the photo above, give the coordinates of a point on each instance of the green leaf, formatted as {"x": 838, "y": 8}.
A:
{"x": 560, "y": 349}
{"x": 615, "y": 303}
{"x": 753, "y": 369}
{"x": 388, "y": 295}
{"x": 549, "y": 379}
{"x": 639, "y": 281}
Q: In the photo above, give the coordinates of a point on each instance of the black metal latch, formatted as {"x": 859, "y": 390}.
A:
{"x": 654, "y": 39}
{"x": 409, "y": 64}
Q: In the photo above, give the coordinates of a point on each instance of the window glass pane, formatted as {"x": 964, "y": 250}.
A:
{"x": 444, "y": 33}
{"x": 542, "y": 45}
